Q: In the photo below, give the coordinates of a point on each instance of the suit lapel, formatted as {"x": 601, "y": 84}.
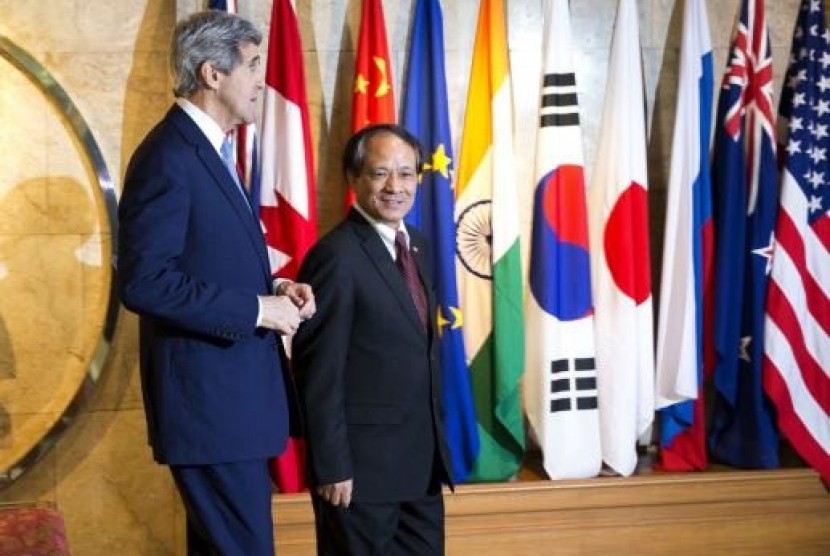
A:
{"x": 382, "y": 262}
{"x": 223, "y": 180}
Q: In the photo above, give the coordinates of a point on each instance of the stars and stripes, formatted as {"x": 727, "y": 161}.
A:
{"x": 797, "y": 323}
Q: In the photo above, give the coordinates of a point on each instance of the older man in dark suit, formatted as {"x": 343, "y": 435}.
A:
{"x": 367, "y": 367}
{"x": 193, "y": 264}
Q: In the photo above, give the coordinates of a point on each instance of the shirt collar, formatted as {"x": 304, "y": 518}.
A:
{"x": 386, "y": 232}
{"x": 204, "y": 122}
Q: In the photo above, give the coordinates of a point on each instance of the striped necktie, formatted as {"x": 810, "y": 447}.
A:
{"x": 406, "y": 264}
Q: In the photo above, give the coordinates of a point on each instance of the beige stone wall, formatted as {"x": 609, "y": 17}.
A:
{"x": 111, "y": 59}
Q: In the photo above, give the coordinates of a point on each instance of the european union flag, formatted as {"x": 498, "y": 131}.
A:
{"x": 426, "y": 115}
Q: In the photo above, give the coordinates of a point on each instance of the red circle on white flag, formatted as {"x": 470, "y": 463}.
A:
{"x": 626, "y": 243}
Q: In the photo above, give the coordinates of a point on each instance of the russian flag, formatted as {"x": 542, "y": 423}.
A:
{"x": 687, "y": 255}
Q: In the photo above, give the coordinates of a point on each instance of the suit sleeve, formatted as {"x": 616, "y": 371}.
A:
{"x": 153, "y": 221}
{"x": 320, "y": 351}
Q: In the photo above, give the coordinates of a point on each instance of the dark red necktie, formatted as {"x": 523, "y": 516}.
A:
{"x": 406, "y": 264}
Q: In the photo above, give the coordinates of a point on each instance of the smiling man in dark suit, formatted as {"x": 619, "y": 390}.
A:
{"x": 193, "y": 264}
{"x": 367, "y": 367}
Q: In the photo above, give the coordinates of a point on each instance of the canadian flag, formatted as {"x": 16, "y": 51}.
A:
{"x": 287, "y": 204}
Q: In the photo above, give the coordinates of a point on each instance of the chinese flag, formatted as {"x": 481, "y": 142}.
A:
{"x": 372, "y": 99}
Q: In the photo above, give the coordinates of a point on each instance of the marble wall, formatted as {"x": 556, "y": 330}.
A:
{"x": 111, "y": 59}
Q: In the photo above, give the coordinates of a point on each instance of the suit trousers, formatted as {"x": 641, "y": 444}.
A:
{"x": 411, "y": 528}
{"x": 228, "y": 508}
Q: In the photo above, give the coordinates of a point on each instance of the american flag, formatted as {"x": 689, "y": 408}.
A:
{"x": 797, "y": 348}
{"x": 745, "y": 193}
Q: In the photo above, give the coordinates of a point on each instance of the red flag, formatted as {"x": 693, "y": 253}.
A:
{"x": 372, "y": 99}
{"x": 287, "y": 204}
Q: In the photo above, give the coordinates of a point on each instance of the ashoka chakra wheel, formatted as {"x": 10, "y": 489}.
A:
{"x": 474, "y": 239}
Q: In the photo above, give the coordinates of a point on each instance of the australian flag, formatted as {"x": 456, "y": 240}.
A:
{"x": 426, "y": 115}
{"x": 745, "y": 199}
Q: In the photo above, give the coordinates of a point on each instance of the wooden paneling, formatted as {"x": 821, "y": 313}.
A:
{"x": 772, "y": 513}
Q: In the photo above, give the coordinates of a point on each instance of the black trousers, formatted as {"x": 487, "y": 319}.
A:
{"x": 410, "y": 528}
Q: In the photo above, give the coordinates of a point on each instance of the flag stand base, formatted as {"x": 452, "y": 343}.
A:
{"x": 714, "y": 512}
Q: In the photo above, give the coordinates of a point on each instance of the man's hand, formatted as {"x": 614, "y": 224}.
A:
{"x": 301, "y": 295}
{"x": 279, "y": 313}
{"x": 337, "y": 494}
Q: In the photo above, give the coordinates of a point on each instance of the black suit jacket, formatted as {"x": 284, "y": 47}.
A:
{"x": 191, "y": 262}
{"x": 367, "y": 372}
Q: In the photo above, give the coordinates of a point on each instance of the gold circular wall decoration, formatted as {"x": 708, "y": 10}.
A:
{"x": 57, "y": 244}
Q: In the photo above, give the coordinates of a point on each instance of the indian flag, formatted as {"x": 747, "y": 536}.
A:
{"x": 488, "y": 257}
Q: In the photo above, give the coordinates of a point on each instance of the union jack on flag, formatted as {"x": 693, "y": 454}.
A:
{"x": 745, "y": 193}
{"x": 797, "y": 327}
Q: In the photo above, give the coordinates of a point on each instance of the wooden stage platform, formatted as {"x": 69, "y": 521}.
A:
{"x": 772, "y": 513}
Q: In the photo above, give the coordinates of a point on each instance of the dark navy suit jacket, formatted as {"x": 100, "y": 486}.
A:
{"x": 191, "y": 262}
